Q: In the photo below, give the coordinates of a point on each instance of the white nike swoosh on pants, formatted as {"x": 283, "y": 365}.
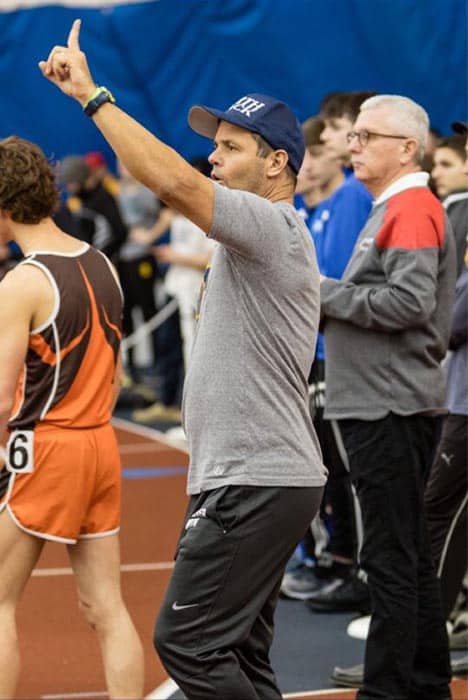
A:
{"x": 175, "y": 606}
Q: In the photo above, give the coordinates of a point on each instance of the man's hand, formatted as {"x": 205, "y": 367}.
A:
{"x": 67, "y": 68}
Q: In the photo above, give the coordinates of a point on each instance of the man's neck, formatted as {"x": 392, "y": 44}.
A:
{"x": 43, "y": 236}
{"x": 279, "y": 192}
{"x": 416, "y": 178}
{"x": 376, "y": 189}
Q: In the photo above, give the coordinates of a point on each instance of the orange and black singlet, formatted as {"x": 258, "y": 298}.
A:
{"x": 67, "y": 378}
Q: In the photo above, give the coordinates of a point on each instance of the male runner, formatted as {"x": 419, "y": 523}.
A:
{"x": 60, "y": 311}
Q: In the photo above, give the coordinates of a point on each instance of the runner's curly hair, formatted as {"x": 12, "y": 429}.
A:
{"x": 27, "y": 185}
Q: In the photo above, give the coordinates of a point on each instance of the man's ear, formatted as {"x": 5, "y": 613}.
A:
{"x": 408, "y": 151}
{"x": 277, "y": 162}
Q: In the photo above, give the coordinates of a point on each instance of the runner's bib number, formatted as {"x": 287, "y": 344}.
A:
{"x": 20, "y": 452}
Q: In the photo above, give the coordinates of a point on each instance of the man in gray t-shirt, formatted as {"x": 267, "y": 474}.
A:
{"x": 245, "y": 409}
{"x": 256, "y": 474}
{"x": 255, "y": 464}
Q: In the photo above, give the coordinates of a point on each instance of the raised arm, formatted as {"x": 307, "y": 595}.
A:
{"x": 148, "y": 159}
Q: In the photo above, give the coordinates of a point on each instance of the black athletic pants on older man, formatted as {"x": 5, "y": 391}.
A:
{"x": 407, "y": 655}
{"x": 215, "y": 627}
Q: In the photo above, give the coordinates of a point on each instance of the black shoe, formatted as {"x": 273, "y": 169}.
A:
{"x": 351, "y": 595}
{"x": 351, "y": 677}
{"x": 303, "y": 583}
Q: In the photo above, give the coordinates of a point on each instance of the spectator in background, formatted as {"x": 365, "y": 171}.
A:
{"x": 319, "y": 175}
{"x": 188, "y": 254}
{"x": 305, "y": 190}
{"x": 451, "y": 184}
{"x": 97, "y": 164}
{"x": 334, "y": 583}
{"x": 387, "y": 325}
{"x": 351, "y": 202}
{"x": 83, "y": 223}
{"x": 88, "y": 194}
{"x": 321, "y": 168}
{"x": 137, "y": 267}
{"x": 446, "y": 494}
{"x": 149, "y": 220}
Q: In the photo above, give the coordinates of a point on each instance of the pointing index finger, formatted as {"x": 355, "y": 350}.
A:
{"x": 73, "y": 38}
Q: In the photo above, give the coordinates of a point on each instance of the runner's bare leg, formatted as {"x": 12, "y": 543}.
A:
{"x": 19, "y": 553}
{"x": 96, "y": 563}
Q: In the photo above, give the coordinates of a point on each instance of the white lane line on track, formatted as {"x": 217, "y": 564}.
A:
{"x": 149, "y": 566}
{"x": 144, "y": 431}
{"x": 169, "y": 687}
{"x": 163, "y": 691}
{"x": 138, "y": 447}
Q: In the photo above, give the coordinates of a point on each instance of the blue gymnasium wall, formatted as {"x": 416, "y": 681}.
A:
{"x": 161, "y": 57}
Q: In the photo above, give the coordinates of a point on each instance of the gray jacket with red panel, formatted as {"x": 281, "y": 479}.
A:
{"x": 387, "y": 321}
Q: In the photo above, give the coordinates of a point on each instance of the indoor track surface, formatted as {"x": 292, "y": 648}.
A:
{"x": 60, "y": 654}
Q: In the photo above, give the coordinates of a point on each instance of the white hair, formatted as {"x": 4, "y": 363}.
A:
{"x": 405, "y": 116}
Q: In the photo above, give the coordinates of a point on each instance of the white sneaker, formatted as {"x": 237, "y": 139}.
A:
{"x": 176, "y": 436}
{"x": 359, "y": 628}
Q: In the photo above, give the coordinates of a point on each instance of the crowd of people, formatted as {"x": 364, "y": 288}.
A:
{"x": 320, "y": 274}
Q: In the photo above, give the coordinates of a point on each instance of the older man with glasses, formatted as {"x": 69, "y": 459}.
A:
{"x": 387, "y": 325}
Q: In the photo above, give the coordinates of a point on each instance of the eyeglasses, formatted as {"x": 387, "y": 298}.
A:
{"x": 363, "y": 136}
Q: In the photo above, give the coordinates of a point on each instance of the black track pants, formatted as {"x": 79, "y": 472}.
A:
{"x": 215, "y": 626}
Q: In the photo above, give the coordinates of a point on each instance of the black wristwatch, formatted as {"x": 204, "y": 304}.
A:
{"x": 99, "y": 97}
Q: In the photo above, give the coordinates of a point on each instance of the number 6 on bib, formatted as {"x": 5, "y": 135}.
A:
{"x": 20, "y": 452}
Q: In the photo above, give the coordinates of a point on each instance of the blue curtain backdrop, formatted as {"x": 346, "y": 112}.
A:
{"x": 161, "y": 57}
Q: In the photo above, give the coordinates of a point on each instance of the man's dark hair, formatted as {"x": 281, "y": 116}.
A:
{"x": 264, "y": 149}
{"x": 343, "y": 104}
{"x": 455, "y": 143}
{"x": 27, "y": 184}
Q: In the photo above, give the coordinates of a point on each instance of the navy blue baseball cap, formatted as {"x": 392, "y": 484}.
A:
{"x": 264, "y": 115}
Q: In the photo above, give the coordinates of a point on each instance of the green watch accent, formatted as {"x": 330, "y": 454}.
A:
{"x": 100, "y": 96}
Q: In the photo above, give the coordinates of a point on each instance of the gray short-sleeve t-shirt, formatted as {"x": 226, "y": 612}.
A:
{"x": 245, "y": 405}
